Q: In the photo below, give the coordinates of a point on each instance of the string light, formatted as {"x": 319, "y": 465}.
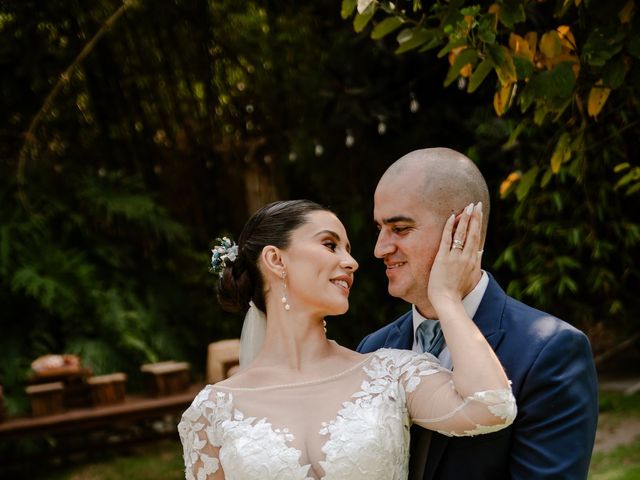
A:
{"x": 382, "y": 126}
{"x": 414, "y": 105}
{"x": 349, "y": 140}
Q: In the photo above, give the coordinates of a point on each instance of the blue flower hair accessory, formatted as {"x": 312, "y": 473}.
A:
{"x": 223, "y": 255}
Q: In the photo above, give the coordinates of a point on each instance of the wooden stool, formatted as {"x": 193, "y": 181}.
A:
{"x": 77, "y": 393}
{"x": 107, "y": 389}
{"x": 167, "y": 378}
{"x": 46, "y": 398}
{"x": 222, "y": 359}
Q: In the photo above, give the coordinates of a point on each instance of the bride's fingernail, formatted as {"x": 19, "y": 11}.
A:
{"x": 469, "y": 209}
{"x": 479, "y": 207}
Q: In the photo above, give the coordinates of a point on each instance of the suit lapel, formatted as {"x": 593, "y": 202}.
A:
{"x": 488, "y": 318}
{"x": 401, "y": 333}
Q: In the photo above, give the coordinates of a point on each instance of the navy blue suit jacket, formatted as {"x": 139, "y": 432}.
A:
{"x": 553, "y": 377}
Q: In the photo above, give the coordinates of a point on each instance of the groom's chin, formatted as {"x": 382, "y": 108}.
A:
{"x": 394, "y": 290}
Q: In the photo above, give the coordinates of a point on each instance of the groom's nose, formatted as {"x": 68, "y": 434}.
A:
{"x": 384, "y": 245}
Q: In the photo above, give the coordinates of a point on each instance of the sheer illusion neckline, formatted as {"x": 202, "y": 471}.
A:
{"x": 300, "y": 384}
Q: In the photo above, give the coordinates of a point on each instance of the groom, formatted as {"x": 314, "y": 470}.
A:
{"x": 548, "y": 361}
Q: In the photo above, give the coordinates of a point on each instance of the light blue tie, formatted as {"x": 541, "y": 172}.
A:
{"x": 429, "y": 337}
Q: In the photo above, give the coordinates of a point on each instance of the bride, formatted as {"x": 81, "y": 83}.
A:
{"x": 307, "y": 408}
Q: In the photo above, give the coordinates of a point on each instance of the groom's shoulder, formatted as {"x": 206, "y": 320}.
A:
{"x": 378, "y": 339}
{"x": 529, "y": 323}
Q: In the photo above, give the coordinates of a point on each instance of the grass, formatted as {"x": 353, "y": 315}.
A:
{"x": 157, "y": 461}
{"x": 623, "y": 462}
{"x": 620, "y": 405}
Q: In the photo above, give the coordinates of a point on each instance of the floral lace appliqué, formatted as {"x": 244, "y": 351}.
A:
{"x": 369, "y": 438}
{"x": 250, "y": 448}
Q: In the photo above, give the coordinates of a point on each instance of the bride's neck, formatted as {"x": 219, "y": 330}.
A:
{"x": 294, "y": 339}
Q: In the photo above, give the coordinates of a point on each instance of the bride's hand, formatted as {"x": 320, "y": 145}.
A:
{"x": 457, "y": 264}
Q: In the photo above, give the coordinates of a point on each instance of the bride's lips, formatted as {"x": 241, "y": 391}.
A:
{"x": 343, "y": 282}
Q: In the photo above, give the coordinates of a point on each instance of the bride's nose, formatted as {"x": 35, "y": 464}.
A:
{"x": 349, "y": 263}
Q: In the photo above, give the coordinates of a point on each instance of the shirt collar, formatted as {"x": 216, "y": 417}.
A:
{"x": 470, "y": 303}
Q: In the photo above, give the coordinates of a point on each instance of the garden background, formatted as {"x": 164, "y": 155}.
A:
{"x": 134, "y": 133}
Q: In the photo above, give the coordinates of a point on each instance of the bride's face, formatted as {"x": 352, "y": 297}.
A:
{"x": 319, "y": 266}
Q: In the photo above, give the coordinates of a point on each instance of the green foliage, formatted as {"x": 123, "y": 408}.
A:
{"x": 570, "y": 241}
{"x": 562, "y": 58}
{"x": 70, "y": 273}
{"x": 568, "y": 155}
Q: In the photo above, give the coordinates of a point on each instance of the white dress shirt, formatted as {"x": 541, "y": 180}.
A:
{"x": 470, "y": 303}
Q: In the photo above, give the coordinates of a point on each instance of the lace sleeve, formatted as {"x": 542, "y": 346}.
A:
{"x": 199, "y": 435}
{"x": 434, "y": 403}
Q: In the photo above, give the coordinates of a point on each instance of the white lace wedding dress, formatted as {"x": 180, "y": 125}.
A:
{"x": 353, "y": 425}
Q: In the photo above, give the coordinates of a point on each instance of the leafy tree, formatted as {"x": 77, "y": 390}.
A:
{"x": 563, "y": 80}
{"x": 558, "y": 61}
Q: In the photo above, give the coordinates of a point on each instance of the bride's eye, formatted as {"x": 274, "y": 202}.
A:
{"x": 330, "y": 245}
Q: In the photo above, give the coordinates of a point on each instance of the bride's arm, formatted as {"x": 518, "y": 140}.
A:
{"x": 199, "y": 465}
{"x": 476, "y": 367}
{"x": 476, "y": 397}
{"x": 196, "y": 429}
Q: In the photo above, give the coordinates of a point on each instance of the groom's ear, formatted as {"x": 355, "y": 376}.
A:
{"x": 272, "y": 259}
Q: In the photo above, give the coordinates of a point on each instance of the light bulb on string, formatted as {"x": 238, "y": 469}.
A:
{"x": 382, "y": 126}
{"x": 349, "y": 139}
{"x": 414, "y": 105}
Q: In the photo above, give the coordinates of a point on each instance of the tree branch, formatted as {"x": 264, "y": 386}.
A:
{"x": 65, "y": 77}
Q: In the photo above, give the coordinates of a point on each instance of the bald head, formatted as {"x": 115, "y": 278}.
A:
{"x": 446, "y": 181}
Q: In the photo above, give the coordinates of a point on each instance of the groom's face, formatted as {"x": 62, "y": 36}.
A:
{"x": 408, "y": 239}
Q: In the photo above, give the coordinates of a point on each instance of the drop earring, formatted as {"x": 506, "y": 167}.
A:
{"x": 284, "y": 299}
{"x": 324, "y": 325}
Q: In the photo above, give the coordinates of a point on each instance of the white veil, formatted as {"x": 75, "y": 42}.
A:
{"x": 252, "y": 336}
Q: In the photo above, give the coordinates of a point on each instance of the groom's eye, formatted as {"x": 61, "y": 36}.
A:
{"x": 399, "y": 229}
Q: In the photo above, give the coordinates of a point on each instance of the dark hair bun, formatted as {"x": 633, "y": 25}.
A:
{"x": 234, "y": 292}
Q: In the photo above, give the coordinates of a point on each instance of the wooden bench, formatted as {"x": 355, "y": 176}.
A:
{"x": 132, "y": 409}
{"x": 85, "y": 432}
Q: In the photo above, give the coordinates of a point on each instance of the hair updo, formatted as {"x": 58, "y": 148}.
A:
{"x": 241, "y": 281}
